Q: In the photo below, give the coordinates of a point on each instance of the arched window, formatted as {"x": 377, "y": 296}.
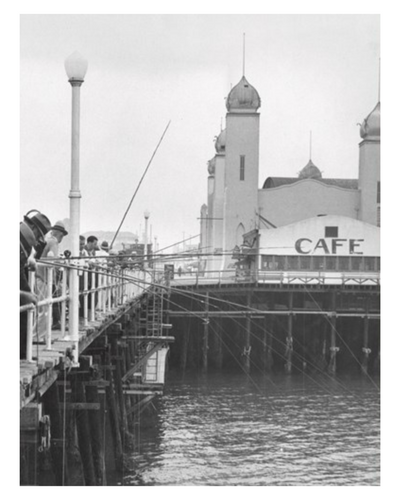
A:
{"x": 239, "y": 234}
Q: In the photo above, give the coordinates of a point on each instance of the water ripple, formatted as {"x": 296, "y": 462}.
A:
{"x": 220, "y": 430}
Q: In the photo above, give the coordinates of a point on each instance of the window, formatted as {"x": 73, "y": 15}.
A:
{"x": 369, "y": 263}
{"x": 356, "y": 263}
{"x": 344, "y": 264}
{"x": 331, "y": 231}
{"x": 242, "y": 157}
{"x": 330, "y": 263}
{"x": 317, "y": 263}
{"x": 305, "y": 262}
{"x": 378, "y": 192}
{"x": 293, "y": 262}
{"x": 280, "y": 262}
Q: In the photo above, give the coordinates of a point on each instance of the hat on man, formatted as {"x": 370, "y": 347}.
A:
{"x": 104, "y": 246}
{"x": 59, "y": 226}
{"x": 39, "y": 220}
{"x": 27, "y": 239}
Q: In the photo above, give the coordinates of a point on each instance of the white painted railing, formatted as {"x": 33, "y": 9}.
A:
{"x": 281, "y": 277}
{"x": 102, "y": 289}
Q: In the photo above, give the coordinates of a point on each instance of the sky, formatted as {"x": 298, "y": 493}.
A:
{"x": 314, "y": 73}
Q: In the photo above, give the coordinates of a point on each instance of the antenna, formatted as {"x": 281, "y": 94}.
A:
{"x": 244, "y": 51}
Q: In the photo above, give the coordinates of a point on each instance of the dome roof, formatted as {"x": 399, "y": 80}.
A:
{"x": 310, "y": 171}
{"x": 243, "y": 97}
{"x": 371, "y": 126}
{"x": 220, "y": 143}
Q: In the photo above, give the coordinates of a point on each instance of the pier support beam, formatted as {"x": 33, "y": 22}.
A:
{"x": 247, "y": 347}
{"x": 289, "y": 338}
{"x": 333, "y": 348}
{"x": 267, "y": 342}
{"x": 206, "y": 322}
{"x": 366, "y": 350}
{"x": 218, "y": 342}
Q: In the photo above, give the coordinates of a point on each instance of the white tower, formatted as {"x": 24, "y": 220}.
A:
{"x": 241, "y": 164}
{"x": 369, "y": 173}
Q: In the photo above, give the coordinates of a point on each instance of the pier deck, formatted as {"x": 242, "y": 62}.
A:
{"x": 37, "y": 376}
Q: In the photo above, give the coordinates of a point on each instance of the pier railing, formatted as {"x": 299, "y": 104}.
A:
{"x": 102, "y": 288}
{"x": 279, "y": 277}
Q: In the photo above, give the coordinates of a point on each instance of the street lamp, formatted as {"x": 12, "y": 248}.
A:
{"x": 76, "y": 67}
{"x": 146, "y": 220}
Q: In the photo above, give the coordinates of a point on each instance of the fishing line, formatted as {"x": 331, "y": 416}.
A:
{"x": 138, "y": 186}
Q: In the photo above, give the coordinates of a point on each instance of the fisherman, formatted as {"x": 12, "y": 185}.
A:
{"x": 27, "y": 241}
{"x": 40, "y": 226}
{"x": 83, "y": 264}
{"x": 53, "y": 238}
{"x": 90, "y": 247}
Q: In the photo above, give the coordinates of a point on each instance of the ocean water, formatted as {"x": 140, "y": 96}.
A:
{"x": 239, "y": 430}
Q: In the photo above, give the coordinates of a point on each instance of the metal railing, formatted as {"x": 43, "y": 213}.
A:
{"x": 102, "y": 288}
{"x": 276, "y": 276}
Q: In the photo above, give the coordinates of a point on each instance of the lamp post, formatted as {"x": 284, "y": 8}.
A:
{"x": 75, "y": 67}
{"x": 146, "y": 221}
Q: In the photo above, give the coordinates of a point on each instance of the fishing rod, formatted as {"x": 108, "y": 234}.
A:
{"x": 140, "y": 182}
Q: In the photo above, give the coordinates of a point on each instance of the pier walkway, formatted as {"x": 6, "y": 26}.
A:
{"x": 106, "y": 295}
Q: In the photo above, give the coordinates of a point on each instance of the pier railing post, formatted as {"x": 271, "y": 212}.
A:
{"x": 49, "y": 321}
{"x": 29, "y": 319}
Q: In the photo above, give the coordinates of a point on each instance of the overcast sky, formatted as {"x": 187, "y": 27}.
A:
{"x": 314, "y": 73}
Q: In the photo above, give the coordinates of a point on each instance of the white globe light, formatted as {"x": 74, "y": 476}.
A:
{"x": 76, "y": 66}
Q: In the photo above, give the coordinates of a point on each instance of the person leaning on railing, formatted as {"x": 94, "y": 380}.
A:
{"x": 53, "y": 238}
{"x": 27, "y": 241}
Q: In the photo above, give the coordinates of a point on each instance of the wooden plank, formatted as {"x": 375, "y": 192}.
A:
{"x": 136, "y": 391}
{"x": 80, "y": 406}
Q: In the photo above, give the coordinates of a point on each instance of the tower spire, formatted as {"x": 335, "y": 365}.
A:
{"x": 244, "y": 52}
{"x": 310, "y": 143}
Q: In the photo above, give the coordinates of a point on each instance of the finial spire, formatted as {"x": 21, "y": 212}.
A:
{"x": 310, "y": 143}
{"x": 244, "y": 52}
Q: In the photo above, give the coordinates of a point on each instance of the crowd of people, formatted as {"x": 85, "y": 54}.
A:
{"x": 39, "y": 239}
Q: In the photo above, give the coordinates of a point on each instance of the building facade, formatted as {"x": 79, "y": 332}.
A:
{"x": 236, "y": 205}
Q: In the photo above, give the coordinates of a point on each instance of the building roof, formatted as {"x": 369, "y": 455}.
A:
{"x": 243, "y": 97}
{"x": 273, "y": 182}
{"x": 371, "y": 126}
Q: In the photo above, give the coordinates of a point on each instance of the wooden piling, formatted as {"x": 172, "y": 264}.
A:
{"x": 206, "y": 322}
{"x": 83, "y": 430}
{"x": 184, "y": 353}
{"x": 218, "y": 341}
{"x": 52, "y": 408}
{"x": 366, "y": 350}
{"x": 267, "y": 342}
{"x": 247, "y": 348}
{"x": 96, "y": 422}
{"x": 289, "y": 338}
{"x": 114, "y": 417}
{"x": 333, "y": 348}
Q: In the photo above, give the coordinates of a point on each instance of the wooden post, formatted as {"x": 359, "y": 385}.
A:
{"x": 289, "y": 338}
{"x": 206, "y": 322}
{"x": 219, "y": 344}
{"x": 267, "y": 342}
{"x": 83, "y": 429}
{"x": 96, "y": 421}
{"x": 51, "y": 402}
{"x": 114, "y": 420}
{"x": 333, "y": 348}
{"x": 184, "y": 352}
{"x": 247, "y": 348}
{"x": 366, "y": 350}
{"x": 118, "y": 385}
